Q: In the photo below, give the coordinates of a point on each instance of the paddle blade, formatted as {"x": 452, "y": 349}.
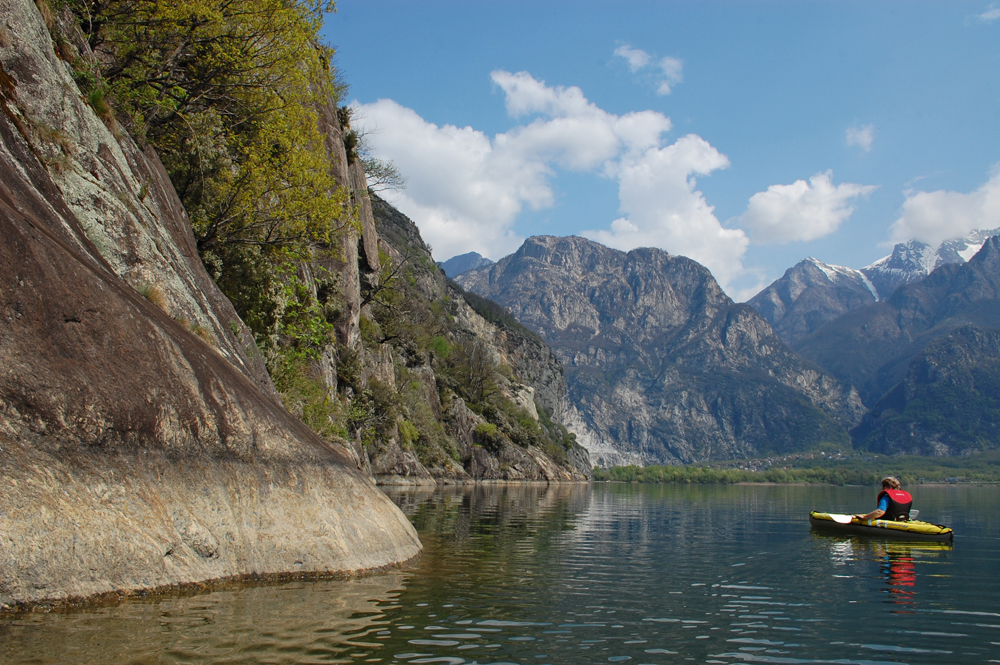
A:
{"x": 841, "y": 519}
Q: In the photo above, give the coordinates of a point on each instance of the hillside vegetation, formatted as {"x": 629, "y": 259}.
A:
{"x": 854, "y": 469}
{"x": 226, "y": 92}
{"x": 361, "y": 334}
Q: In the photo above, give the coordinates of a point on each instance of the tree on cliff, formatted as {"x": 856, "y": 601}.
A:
{"x": 226, "y": 92}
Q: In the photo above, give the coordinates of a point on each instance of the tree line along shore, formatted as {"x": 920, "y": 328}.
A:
{"x": 854, "y": 470}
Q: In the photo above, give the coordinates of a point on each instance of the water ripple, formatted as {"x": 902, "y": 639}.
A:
{"x": 564, "y": 574}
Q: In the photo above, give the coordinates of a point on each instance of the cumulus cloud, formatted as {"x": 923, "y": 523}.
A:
{"x": 465, "y": 190}
{"x": 667, "y": 71}
{"x": 802, "y": 210}
{"x": 991, "y": 14}
{"x": 935, "y": 216}
{"x": 863, "y": 137}
{"x": 462, "y": 194}
{"x": 662, "y": 207}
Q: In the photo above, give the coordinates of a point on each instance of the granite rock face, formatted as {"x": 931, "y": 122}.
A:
{"x": 135, "y": 454}
{"x": 810, "y": 294}
{"x": 661, "y": 366}
{"x": 120, "y": 196}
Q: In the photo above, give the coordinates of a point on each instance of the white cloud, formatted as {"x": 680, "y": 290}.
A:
{"x": 663, "y": 209}
{"x": 465, "y": 190}
{"x": 802, "y": 210}
{"x": 935, "y": 216}
{"x": 861, "y": 137}
{"x": 991, "y": 14}
{"x": 670, "y": 69}
{"x": 637, "y": 58}
{"x": 460, "y": 192}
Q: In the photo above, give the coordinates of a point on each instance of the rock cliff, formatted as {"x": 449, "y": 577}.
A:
{"x": 140, "y": 441}
{"x": 491, "y": 390}
{"x": 661, "y": 366}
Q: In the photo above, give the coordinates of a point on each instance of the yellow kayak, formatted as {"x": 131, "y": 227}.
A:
{"x": 912, "y": 530}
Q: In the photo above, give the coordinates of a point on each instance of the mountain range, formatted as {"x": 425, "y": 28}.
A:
{"x": 812, "y": 293}
{"x": 661, "y": 366}
{"x": 930, "y": 338}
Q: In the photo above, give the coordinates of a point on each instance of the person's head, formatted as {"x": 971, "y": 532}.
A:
{"x": 890, "y": 483}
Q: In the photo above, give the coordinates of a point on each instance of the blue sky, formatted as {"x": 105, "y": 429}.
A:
{"x": 747, "y": 135}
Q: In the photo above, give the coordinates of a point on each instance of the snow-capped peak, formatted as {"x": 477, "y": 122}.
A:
{"x": 914, "y": 260}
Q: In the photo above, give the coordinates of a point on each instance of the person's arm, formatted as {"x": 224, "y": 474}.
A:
{"x": 873, "y": 515}
{"x": 883, "y": 506}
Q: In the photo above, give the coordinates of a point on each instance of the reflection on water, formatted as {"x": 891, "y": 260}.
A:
{"x": 301, "y": 622}
{"x": 897, "y": 561}
{"x": 609, "y": 574}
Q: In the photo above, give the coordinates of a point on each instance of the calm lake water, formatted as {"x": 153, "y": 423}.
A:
{"x": 603, "y": 574}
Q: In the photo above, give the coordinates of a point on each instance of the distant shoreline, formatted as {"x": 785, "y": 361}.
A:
{"x": 858, "y": 468}
{"x": 798, "y": 484}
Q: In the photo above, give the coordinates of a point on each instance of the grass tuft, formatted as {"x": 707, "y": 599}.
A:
{"x": 45, "y": 9}
{"x": 204, "y": 332}
{"x": 99, "y": 102}
{"x": 153, "y": 294}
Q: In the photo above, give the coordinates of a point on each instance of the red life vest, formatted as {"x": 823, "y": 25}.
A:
{"x": 899, "y": 504}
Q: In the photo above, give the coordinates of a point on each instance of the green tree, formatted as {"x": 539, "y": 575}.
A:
{"x": 227, "y": 92}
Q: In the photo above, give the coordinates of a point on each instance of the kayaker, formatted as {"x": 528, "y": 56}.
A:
{"x": 893, "y": 502}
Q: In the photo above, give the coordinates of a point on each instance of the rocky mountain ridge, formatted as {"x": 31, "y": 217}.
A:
{"x": 812, "y": 293}
{"x": 872, "y": 347}
{"x": 661, "y": 366}
{"x": 913, "y": 260}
